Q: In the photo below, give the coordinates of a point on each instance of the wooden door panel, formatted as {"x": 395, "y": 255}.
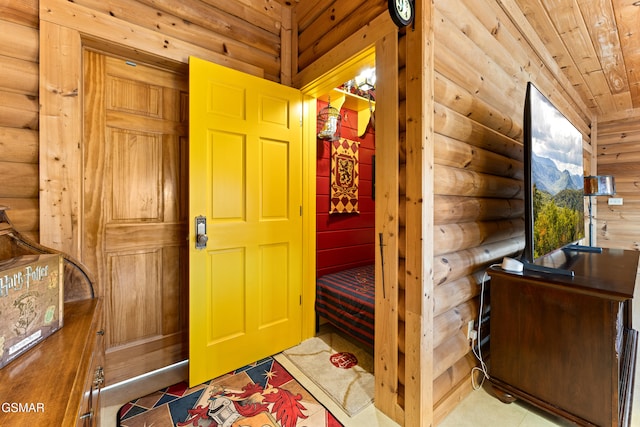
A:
{"x": 135, "y": 213}
{"x": 136, "y": 180}
{"x": 135, "y": 311}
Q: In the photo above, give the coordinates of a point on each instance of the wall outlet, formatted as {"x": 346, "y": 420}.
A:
{"x": 615, "y": 201}
{"x": 470, "y": 329}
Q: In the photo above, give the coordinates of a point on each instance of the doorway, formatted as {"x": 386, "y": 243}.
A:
{"x": 134, "y": 210}
{"x": 345, "y": 209}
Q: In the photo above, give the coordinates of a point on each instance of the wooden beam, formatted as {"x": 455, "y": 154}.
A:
{"x": 112, "y": 30}
{"x": 387, "y": 220}
{"x": 60, "y": 136}
{"x": 419, "y": 361}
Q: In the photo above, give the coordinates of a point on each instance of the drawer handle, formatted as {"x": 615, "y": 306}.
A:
{"x": 98, "y": 378}
{"x": 100, "y": 332}
{"x": 86, "y": 415}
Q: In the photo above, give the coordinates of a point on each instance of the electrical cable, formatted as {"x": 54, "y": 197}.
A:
{"x": 478, "y": 354}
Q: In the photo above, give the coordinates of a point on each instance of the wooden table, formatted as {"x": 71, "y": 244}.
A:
{"x": 57, "y": 382}
{"x": 563, "y": 343}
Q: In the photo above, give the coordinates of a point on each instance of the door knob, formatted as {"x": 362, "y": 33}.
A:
{"x": 201, "y": 232}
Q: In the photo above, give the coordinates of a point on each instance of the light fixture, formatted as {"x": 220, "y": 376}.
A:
{"x": 599, "y": 185}
{"x": 366, "y": 80}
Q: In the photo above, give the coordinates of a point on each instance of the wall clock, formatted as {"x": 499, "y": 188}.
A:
{"x": 402, "y": 12}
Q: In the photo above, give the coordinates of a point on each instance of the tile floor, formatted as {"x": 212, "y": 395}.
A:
{"x": 478, "y": 409}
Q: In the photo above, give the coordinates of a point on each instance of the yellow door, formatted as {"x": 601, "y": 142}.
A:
{"x": 245, "y": 178}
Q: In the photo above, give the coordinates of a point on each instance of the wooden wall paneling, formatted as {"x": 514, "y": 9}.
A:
{"x": 60, "y": 134}
{"x": 446, "y": 382}
{"x": 18, "y": 110}
{"x": 19, "y": 41}
{"x": 350, "y": 48}
{"x": 388, "y": 328}
{"x": 24, "y": 12}
{"x": 326, "y": 18}
{"x": 23, "y": 213}
{"x": 457, "y": 126}
{"x": 452, "y": 182}
{"x": 19, "y": 123}
{"x": 420, "y": 357}
{"x": 307, "y": 12}
{"x": 618, "y": 154}
{"x": 479, "y": 70}
{"x": 455, "y": 209}
{"x": 263, "y": 14}
{"x": 104, "y": 29}
{"x": 327, "y": 41}
{"x": 455, "y": 153}
{"x": 221, "y": 33}
{"x": 19, "y": 180}
{"x": 449, "y": 352}
{"x": 454, "y": 320}
{"x": 19, "y": 75}
{"x": 454, "y": 293}
{"x": 287, "y": 46}
{"x": 454, "y": 237}
{"x": 466, "y": 104}
{"x": 452, "y": 266}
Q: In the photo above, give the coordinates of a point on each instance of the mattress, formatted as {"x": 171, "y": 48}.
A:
{"x": 347, "y": 300}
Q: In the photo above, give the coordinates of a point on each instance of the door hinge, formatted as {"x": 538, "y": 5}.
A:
{"x": 300, "y": 299}
{"x": 300, "y": 210}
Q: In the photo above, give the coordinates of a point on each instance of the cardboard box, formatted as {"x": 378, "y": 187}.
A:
{"x": 31, "y": 302}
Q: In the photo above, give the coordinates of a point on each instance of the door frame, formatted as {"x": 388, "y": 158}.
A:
{"x": 375, "y": 44}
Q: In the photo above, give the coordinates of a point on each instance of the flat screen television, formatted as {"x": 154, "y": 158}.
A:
{"x": 554, "y": 196}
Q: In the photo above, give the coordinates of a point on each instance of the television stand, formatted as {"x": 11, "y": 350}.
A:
{"x": 565, "y": 343}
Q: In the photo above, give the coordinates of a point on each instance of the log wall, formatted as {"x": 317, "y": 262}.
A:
{"x": 618, "y": 154}
{"x": 484, "y": 57}
{"x": 19, "y": 114}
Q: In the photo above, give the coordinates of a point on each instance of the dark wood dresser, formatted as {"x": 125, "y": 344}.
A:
{"x": 57, "y": 382}
{"x": 566, "y": 344}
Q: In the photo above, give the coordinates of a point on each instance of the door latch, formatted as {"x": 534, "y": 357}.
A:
{"x": 201, "y": 232}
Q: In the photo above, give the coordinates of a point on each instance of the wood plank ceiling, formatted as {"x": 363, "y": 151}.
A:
{"x": 597, "y": 45}
{"x": 595, "y": 42}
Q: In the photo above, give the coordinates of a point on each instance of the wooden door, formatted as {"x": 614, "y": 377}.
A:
{"x": 246, "y": 180}
{"x": 135, "y": 207}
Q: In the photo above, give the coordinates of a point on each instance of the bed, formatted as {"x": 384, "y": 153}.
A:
{"x": 347, "y": 299}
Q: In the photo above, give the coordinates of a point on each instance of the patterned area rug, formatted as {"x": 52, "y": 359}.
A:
{"x": 263, "y": 394}
{"x": 339, "y": 367}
